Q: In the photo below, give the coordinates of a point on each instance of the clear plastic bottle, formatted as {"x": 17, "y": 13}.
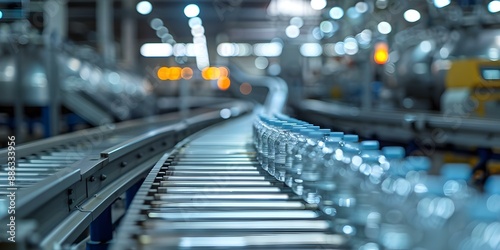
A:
{"x": 482, "y": 227}
{"x": 275, "y": 132}
{"x": 281, "y": 151}
{"x": 296, "y": 152}
{"x": 322, "y": 173}
{"x": 335, "y": 203}
{"x": 440, "y": 206}
{"x": 306, "y": 158}
{"x": 260, "y": 124}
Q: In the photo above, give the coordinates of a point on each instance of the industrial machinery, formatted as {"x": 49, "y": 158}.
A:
{"x": 471, "y": 88}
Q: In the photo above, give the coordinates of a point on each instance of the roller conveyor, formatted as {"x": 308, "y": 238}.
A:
{"x": 210, "y": 193}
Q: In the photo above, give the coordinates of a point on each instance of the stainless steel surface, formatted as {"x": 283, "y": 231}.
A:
{"x": 403, "y": 126}
{"x": 199, "y": 198}
{"x": 61, "y": 173}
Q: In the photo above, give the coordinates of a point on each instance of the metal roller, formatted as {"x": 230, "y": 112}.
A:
{"x": 211, "y": 194}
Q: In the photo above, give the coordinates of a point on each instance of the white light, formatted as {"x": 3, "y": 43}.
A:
{"x": 267, "y": 49}
{"x": 444, "y": 52}
{"x": 179, "y": 49}
{"x": 261, "y": 62}
{"x": 493, "y": 54}
{"x": 318, "y": 4}
{"x": 156, "y": 23}
{"x": 351, "y": 46}
{"x": 162, "y": 32}
{"x": 329, "y": 49}
{"x": 234, "y": 49}
{"x": 336, "y": 13}
{"x": 411, "y": 15}
{"x": 317, "y": 34}
{"x": 352, "y": 13}
{"x": 311, "y": 49}
{"x": 326, "y": 27}
{"x": 290, "y": 8}
{"x": 144, "y": 7}
{"x": 274, "y": 69}
{"x": 361, "y": 7}
{"x": 156, "y": 50}
{"x": 384, "y": 28}
{"x": 339, "y": 48}
{"x": 190, "y": 50}
{"x": 441, "y": 3}
{"x": 198, "y": 31}
{"x": 191, "y": 10}
{"x": 292, "y": 31}
{"x": 225, "y": 113}
{"x": 195, "y": 21}
{"x": 381, "y": 4}
{"x": 494, "y": 6}
{"x": 226, "y": 49}
{"x": 244, "y": 49}
{"x": 425, "y": 46}
{"x": 297, "y": 21}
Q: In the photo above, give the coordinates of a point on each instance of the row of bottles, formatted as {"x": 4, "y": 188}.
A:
{"x": 377, "y": 197}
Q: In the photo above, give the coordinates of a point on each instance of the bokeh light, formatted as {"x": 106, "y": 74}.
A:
{"x": 223, "y": 83}
{"x": 245, "y": 88}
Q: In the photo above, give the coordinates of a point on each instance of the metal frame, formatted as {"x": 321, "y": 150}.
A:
{"x": 76, "y": 195}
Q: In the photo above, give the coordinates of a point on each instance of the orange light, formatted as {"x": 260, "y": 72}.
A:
{"x": 223, "y": 83}
{"x": 163, "y": 73}
{"x": 245, "y": 88}
{"x": 381, "y": 55}
{"x": 211, "y": 73}
{"x": 224, "y": 71}
{"x": 187, "y": 73}
{"x": 175, "y": 73}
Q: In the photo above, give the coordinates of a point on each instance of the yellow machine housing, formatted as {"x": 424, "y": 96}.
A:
{"x": 479, "y": 78}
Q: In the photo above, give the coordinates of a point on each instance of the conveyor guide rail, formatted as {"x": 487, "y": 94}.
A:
{"x": 210, "y": 193}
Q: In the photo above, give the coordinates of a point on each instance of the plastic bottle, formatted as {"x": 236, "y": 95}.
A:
{"x": 296, "y": 152}
{"x": 281, "y": 151}
{"x": 306, "y": 158}
{"x": 319, "y": 177}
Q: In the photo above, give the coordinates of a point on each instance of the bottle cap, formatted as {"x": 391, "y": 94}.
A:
{"x": 351, "y": 138}
{"x": 370, "y": 145}
{"x": 393, "y": 152}
{"x": 456, "y": 171}
{"x": 337, "y": 134}
{"x": 492, "y": 185}
{"x": 315, "y": 134}
{"x": 325, "y": 131}
{"x": 418, "y": 163}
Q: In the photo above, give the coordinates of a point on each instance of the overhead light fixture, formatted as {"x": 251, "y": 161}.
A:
{"x": 494, "y": 6}
{"x": 191, "y": 10}
{"x": 441, "y": 3}
{"x": 311, "y": 49}
{"x": 318, "y": 4}
{"x": 144, "y": 7}
{"x": 292, "y": 31}
{"x": 156, "y": 50}
{"x": 297, "y": 21}
{"x": 384, "y": 28}
{"x": 272, "y": 49}
{"x": 336, "y": 13}
{"x": 411, "y": 15}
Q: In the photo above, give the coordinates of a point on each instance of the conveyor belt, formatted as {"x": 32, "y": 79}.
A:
{"x": 210, "y": 193}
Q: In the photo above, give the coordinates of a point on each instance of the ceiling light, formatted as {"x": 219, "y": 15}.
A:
{"x": 411, "y": 15}
{"x": 144, "y": 7}
{"x": 192, "y": 10}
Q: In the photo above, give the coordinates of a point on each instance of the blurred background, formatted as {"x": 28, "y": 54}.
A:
{"x": 423, "y": 74}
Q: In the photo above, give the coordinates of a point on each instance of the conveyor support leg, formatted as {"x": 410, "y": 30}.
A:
{"x": 482, "y": 165}
{"x": 101, "y": 231}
